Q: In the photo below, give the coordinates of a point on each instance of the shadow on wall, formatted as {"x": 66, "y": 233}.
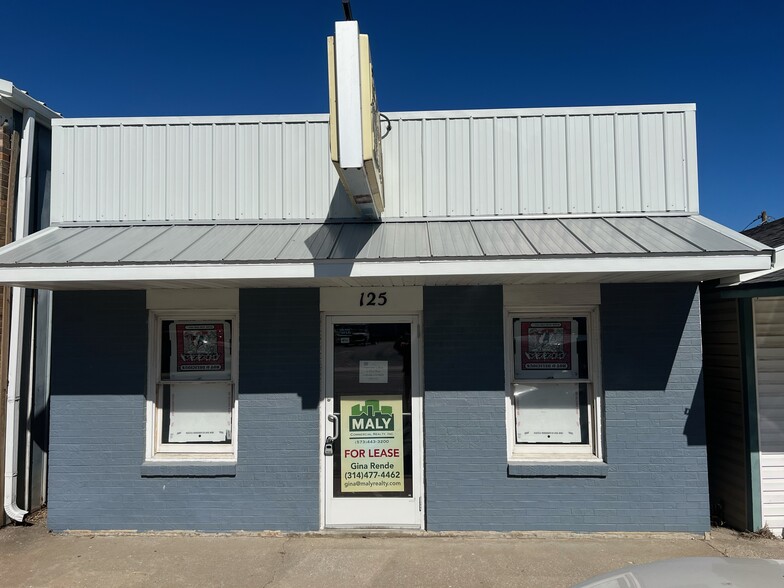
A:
{"x": 695, "y": 417}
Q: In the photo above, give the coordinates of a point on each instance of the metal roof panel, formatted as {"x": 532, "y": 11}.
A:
{"x": 550, "y": 237}
{"x": 600, "y": 236}
{"x": 700, "y": 235}
{"x": 502, "y": 238}
{"x": 453, "y": 239}
{"x": 653, "y": 237}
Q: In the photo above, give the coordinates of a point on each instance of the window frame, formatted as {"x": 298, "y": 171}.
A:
{"x": 156, "y": 449}
{"x": 523, "y": 452}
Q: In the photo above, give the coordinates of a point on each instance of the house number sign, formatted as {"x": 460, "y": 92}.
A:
{"x": 370, "y": 301}
{"x": 372, "y": 298}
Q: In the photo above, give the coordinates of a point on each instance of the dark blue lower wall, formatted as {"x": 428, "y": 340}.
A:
{"x": 654, "y": 430}
{"x": 99, "y": 363}
{"x": 656, "y": 477}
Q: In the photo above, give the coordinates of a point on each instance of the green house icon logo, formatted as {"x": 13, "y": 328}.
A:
{"x": 371, "y": 416}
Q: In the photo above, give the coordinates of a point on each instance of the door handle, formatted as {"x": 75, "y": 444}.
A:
{"x": 333, "y": 418}
{"x": 328, "y": 448}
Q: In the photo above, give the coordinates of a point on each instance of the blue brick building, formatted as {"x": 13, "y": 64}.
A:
{"x": 497, "y": 327}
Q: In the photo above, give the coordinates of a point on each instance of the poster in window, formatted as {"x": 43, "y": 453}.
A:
{"x": 546, "y": 349}
{"x": 200, "y": 350}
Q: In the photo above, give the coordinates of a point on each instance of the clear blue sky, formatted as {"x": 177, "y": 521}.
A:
{"x": 118, "y": 58}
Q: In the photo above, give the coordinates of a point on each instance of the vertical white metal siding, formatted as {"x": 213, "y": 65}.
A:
{"x": 769, "y": 352}
{"x": 487, "y": 163}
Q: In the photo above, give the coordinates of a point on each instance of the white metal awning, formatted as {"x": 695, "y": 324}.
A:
{"x": 393, "y": 252}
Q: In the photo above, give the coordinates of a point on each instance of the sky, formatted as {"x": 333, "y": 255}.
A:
{"x": 168, "y": 57}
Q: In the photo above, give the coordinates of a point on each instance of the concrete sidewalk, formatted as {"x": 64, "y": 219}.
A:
{"x": 31, "y": 556}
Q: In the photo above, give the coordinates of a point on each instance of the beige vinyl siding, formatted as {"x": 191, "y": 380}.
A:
{"x": 727, "y": 463}
{"x": 769, "y": 343}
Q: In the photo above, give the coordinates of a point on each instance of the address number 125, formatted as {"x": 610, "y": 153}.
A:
{"x": 372, "y": 298}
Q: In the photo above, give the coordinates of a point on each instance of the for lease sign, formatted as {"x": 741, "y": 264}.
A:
{"x": 371, "y": 433}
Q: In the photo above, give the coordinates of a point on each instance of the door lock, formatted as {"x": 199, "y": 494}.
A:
{"x": 328, "y": 450}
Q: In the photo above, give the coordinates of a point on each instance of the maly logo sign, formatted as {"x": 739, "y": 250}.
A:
{"x": 371, "y": 416}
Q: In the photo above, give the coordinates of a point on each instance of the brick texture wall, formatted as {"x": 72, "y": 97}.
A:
{"x": 654, "y": 422}
{"x": 99, "y": 355}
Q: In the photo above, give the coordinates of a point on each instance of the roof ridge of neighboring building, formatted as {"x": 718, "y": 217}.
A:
{"x": 770, "y": 233}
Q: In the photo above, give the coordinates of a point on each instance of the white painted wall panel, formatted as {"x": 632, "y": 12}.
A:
{"x": 482, "y": 172}
{"x": 147, "y": 200}
{"x": 271, "y": 168}
{"x": 410, "y": 154}
{"x": 675, "y": 160}
{"x": 248, "y": 171}
{"x": 554, "y": 160}
{"x": 529, "y": 149}
{"x": 178, "y": 176}
{"x": 224, "y": 164}
{"x": 131, "y": 171}
{"x": 506, "y": 178}
{"x": 434, "y": 149}
{"x": 627, "y": 163}
{"x": 473, "y": 163}
{"x": 108, "y": 195}
{"x": 578, "y": 151}
{"x": 603, "y": 163}
{"x": 769, "y": 357}
{"x": 458, "y": 161}
{"x": 652, "y": 181}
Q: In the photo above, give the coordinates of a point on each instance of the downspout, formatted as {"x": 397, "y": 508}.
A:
{"x": 16, "y": 352}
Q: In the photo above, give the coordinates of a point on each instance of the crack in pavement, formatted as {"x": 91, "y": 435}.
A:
{"x": 279, "y": 566}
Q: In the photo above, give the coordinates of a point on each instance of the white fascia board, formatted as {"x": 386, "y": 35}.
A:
{"x": 778, "y": 264}
{"x": 29, "y": 276}
{"x": 22, "y": 100}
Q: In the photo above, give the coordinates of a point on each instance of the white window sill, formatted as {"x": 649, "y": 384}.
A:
{"x": 582, "y": 467}
{"x": 188, "y": 469}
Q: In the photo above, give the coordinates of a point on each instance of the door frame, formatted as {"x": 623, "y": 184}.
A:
{"x": 417, "y": 402}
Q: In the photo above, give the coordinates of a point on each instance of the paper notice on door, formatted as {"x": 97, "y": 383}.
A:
{"x": 373, "y": 372}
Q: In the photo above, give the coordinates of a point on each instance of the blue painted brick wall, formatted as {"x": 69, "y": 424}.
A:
{"x": 651, "y": 355}
{"x": 99, "y": 356}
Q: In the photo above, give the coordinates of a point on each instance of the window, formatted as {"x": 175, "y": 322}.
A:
{"x": 554, "y": 393}
{"x": 192, "y": 401}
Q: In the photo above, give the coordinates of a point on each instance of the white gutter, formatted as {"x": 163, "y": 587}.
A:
{"x": 17, "y": 325}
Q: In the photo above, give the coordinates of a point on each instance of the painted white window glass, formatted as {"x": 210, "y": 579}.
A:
{"x": 553, "y": 404}
{"x": 194, "y": 397}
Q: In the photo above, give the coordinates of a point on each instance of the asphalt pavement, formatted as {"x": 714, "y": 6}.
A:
{"x": 32, "y": 556}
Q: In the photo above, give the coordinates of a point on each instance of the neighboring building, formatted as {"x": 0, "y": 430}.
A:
{"x": 25, "y": 164}
{"x": 743, "y": 335}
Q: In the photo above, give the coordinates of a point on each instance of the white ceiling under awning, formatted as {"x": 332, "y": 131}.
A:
{"x": 662, "y": 248}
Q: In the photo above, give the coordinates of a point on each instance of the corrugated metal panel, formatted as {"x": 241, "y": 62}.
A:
{"x": 458, "y": 161}
{"x": 120, "y": 246}
{"x": 400, "y": 241}
{"x": 603, "y": 164}
{"x": 215, "y": 244}
{"x": 311, "y": 241}
{"x": 453, "y": 239}
{"x": 769, "y": 353}
{"x": 507, "y": 189}
{"x": 531, "y": 167}
{"x": 578, "y": 172}
{"x": 550, "y": 237}
{"x": 701, "y": 235}
{"x": 601, "y": 237}
{"x": 68, "y": 249}
{"x": 168, "y": 244}
{"x": 482, "y": 172}
{"x": 501, "y": 238}
{"x": 653, "y": 237}
{"x": 264, "y": 243}
{"x": 627, "y": 163}
{"x": 440, "y": 164}
{"x": 555, "y": 169}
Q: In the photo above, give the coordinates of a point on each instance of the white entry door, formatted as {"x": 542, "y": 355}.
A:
{"x": 373, "y": 423}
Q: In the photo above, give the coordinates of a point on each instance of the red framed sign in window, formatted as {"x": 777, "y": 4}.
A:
{"x": 200, "y": 350}
{"x": 546, "y": 349}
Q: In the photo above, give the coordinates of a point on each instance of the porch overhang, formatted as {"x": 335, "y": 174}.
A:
{"x": 389, "y": 253}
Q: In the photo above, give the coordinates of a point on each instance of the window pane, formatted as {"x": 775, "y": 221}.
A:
{"x": 196, "y": 350}
{"x": 551, "y": 413}
{"x": 550, "y": 348}
{"x": 196, "y": 412}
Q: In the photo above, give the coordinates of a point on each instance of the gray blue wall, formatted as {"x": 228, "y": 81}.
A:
{"x": 99, "y": 363}
{"x": 656, "y": 478}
